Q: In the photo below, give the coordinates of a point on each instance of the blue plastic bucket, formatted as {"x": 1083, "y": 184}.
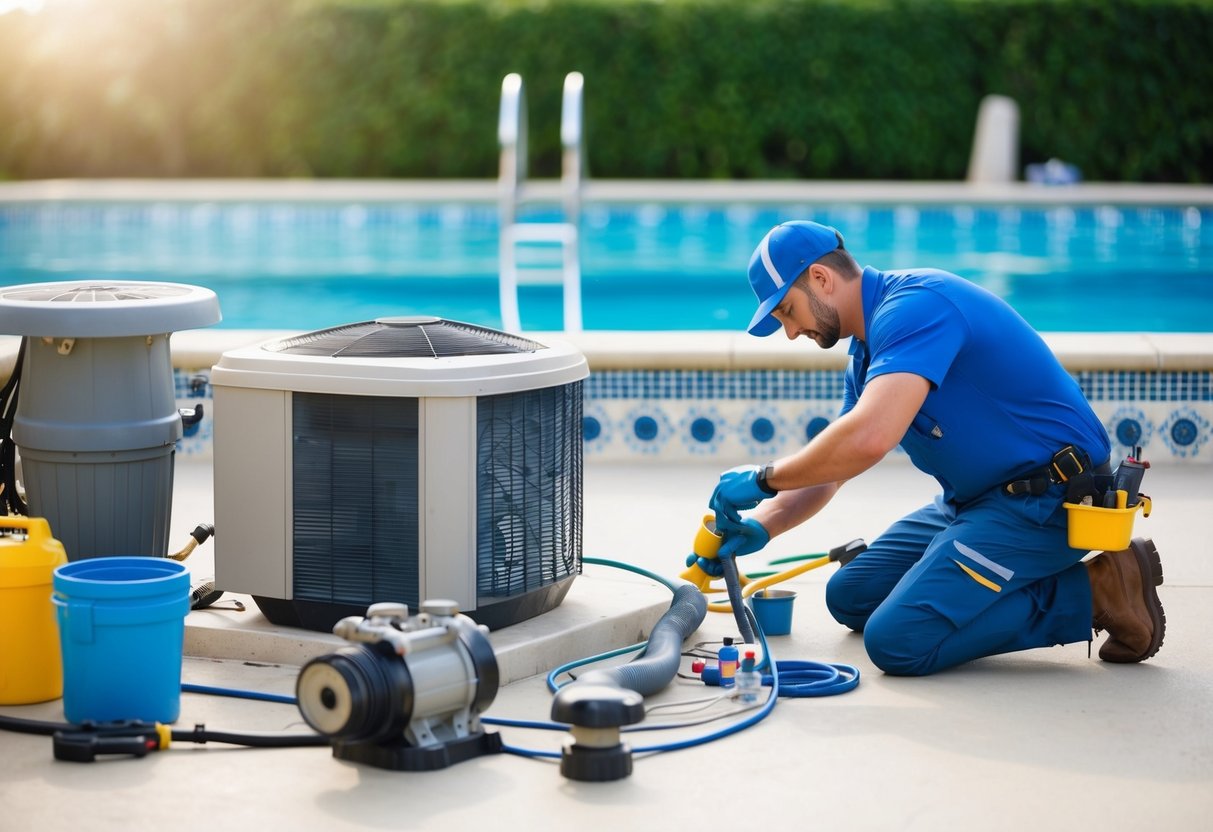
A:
{"x": 121, "y": 630}
{"x": 773, "y": 610}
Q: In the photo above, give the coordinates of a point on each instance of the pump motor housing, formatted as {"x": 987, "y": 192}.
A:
{"x": 407, "y": 693}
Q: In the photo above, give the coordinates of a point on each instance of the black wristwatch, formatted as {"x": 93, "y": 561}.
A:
{"x": 766, "y": 472}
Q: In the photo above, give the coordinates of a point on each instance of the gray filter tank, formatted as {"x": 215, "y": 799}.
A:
{"x": 97, "y": 421}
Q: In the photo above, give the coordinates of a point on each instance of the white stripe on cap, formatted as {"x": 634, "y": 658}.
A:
{"x": 765, "y": 252}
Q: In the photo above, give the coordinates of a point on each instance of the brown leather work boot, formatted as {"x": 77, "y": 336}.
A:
{"x": 1125, "y": 603}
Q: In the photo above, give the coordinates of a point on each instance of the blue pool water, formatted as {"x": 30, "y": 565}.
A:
{"x": 644, "y": 266}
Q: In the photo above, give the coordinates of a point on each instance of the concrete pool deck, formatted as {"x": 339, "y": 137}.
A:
{"x": 1049, "y": 738}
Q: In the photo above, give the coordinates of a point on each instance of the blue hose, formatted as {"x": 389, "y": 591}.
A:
{"x": 237, "y": 693}
{"x": 800, "y": 679}
{"x": 653, "y": 671}
{"x": 576, "y": 663}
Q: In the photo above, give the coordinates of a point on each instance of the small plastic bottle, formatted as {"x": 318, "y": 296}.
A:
{"x": 749, "y": 680}
{"x": 728, "y": 663}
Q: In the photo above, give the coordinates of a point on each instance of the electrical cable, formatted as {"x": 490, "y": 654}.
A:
{"x": 666, "y": 726}
{"x": 238, "y": 694}
{"x": 691, "y": 742}
{"x": 805, "y": 679}
{"x": 494, "y": 721}
{"x": 530, "y": 752}
{"x": 787, "y": 678}
{"x": 285, "y": 741}
{"x": 610, "y": 654}
{"x": 28, "y": 726}
{"x": 754, "y": 586}
{"x": 198, "y": 734}
{"x": 750, "y": 584}
{"x": 627, "y": 567}
{"x": 698, "y": 704}
{"x": 762, "y": 713}
{"x": 504, "y": 722}
{"x": 796, "y": 558}
{"x": 802, "y": 679}
{"x": 32, "y": 726}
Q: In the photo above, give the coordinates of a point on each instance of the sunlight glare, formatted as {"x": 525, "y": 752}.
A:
{"x": 27, "y": 6}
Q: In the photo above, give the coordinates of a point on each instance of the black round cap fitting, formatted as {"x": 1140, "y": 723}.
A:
{"x": 595, "y": 765}
{"x": 597, "y": 706}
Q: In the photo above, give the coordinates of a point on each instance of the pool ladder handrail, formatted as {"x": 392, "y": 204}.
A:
{"x": 512, "y": 136}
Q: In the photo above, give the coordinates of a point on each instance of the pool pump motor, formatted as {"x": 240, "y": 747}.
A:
{"x": 407, "y": 693}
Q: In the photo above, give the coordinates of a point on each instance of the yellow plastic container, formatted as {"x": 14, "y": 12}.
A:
{"x": 31, "y": 669}
{"x": 707, "y": 539}
{"x": 1109, "y": 529}
{"x": 706, "y": 545}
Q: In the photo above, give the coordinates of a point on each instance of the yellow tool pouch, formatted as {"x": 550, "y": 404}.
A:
{"x": 1107, "y": 523}
{"x": 1095, "y": 527}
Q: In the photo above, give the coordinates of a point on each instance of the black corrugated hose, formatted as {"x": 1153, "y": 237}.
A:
{"x": 652, "y": 671}
{"x": 10, "y": 500}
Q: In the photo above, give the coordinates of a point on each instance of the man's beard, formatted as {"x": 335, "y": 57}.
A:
{"x": 828, "y": 327}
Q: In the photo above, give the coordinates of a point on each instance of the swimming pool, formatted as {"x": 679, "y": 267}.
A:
{"x": 645, "y": 265}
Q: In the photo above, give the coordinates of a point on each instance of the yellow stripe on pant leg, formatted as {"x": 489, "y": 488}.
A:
{"x": 981, "y": 579}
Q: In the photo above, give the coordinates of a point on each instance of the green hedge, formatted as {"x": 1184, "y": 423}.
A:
{"x": 832, "y": 89}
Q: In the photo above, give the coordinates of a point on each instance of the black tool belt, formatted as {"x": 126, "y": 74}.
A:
{"x": 1070, "y": 465}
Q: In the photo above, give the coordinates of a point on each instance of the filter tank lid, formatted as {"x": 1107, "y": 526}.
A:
{"x": 105, "y": 309}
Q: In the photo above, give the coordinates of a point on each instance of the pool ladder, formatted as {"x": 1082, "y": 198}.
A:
{"x": 535, "y": 240}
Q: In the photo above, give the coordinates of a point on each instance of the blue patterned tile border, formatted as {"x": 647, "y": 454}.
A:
{"x": 1101, "y": 385}
{"x": 1123, "y": 385}
{"x": 685, "y": 415}
{"x": 715, "y": 385}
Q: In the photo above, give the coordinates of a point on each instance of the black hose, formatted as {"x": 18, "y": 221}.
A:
{"x": 732, "y": 583}
{"x": 203, "y": 595}
{"x": 10, "y": 501}
{"x": 33, "y": 726}
{"x": 199, "y": 734}
{"x": 656, "y": 667}
{"x": 202, "y": 531}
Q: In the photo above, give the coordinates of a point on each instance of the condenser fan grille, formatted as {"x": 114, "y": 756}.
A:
{"x": 404, "y": 338}
{"x": 528, "y": 497}
{"x": 355, "y": 498}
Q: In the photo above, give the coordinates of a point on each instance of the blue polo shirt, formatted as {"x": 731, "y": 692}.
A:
{"x": 1000, "y": 404}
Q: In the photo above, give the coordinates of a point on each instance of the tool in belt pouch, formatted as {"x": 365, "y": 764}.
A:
{"x": 1100, "y": 506}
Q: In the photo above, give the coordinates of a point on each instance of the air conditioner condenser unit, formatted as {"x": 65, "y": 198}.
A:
{"x": 400, "y": 459}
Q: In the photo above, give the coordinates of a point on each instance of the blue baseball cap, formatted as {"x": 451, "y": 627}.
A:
{"x": 784, "y": 253}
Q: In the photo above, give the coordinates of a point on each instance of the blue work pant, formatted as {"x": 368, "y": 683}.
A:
{"x": 946, "y": 585}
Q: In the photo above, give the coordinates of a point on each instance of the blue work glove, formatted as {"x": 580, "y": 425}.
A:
{"x": 742, "y": 538}
{"x": 739, "y": 489}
